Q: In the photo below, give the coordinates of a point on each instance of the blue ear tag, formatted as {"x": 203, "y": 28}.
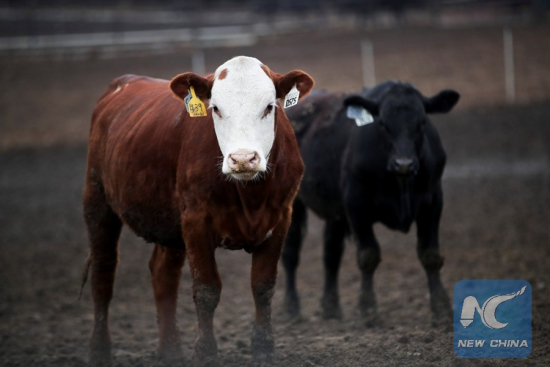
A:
{"x": 359, "y": 114}
{"x": 187, "y": 99}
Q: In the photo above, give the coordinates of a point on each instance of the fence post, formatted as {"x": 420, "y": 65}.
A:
{"x": 367, "y": 63}
{"x": 197, "y": 62}
{"x": 509, "y": 76}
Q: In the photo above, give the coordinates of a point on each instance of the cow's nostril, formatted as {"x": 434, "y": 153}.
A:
{"x": 255, "y": 160}
{"x": 404, "y": 162}
{"x": 403, "y": 166}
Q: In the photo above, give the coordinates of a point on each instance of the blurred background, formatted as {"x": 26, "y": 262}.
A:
{"x": 492, "y": 51}
{"x": 57, "y": 58}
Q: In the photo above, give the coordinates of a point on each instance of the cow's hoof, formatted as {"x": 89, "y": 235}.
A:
{"x": 100, "y": 359}
{"x": 206, "y": 352}
{"x": 292, "y": 307}
{"x": 442, "y": 312}
{"x": 264, "y": 360}
{"x": 442, "y": 317}
{"x": 371, "y": 320}
{"x": 330, "y": 308}
{"x": 331, "y": 313}
{"x": 206, "y": 361}
{"x": 370, "y": 317}
{"x": 172, "y": 357}
{"x": 369, "y": 310}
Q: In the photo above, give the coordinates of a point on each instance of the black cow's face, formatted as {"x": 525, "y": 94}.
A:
{"x": 401, "y": 118}
{"x": 401, "y": 123}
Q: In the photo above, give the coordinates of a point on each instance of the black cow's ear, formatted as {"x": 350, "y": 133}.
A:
{"x": 202, "y": 85}
{"x": 442, "y": 102}
{"x": 367, "y": 104}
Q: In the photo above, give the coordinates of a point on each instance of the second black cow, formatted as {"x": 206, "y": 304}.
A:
{"x": 384, "y": 164}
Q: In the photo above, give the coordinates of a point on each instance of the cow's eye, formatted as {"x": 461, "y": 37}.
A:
{"x": 268, "y": 110}
{"x": 216, "y": 111}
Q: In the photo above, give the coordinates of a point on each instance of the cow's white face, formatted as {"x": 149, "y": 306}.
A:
{"x": 243, "y": 102}
{"x": 243, "y": 97}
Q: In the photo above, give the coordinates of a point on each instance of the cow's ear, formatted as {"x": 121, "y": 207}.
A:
{"x": 367, "y": 104}
{"x": 181, "y": 83}
{"x": 442, "y": 102}
{"x": 284, "y": 83}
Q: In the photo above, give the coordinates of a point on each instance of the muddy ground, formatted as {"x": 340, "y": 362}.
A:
{"x": 495, "y": 223}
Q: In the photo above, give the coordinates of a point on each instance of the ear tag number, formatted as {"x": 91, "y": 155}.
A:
{"x": 194, "y": 105}
{"x": 359, "y": 114}
{"x": 292, "y": 97}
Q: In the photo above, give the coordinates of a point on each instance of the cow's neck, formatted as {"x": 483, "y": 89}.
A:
{"x": 253, "y": 200}
{"x": 250, "y": 224}
{"x": 406, "y": 186}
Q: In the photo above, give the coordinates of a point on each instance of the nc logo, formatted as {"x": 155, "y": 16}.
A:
{"x": 487, "y": 311}
{"x": 502, "y": 326}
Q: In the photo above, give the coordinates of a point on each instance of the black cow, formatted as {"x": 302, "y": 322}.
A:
{"x": 386, "y": 171}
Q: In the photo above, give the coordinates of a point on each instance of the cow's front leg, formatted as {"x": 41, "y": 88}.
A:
{"x": 428, "y": 254}
{"x": 368, "y": 249}
{"x": 368, "y": 258}
{"x": 263, "y": 277}
{"x": 207, "y": 287}
{"x": 165, "y": 265}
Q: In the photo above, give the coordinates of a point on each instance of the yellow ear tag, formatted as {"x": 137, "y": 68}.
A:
{"x": 195, "y": 107}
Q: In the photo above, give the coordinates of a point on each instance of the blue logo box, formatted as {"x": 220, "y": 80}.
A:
{"x": 492, "y": 318}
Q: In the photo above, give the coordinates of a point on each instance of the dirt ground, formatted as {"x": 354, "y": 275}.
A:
{"x": 495, "y": 222}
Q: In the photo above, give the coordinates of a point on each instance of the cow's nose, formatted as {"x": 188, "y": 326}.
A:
{"x": 404, "y": 166}
{"x": 243, "y": 161}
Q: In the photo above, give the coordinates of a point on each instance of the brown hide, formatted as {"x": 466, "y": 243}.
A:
{"x": 158, "y": 166}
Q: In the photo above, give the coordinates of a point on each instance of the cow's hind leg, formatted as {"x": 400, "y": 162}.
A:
{"x": 428, "y": 254}
{"x": 166, "y": 265}
{"x": 333, "y": 249}
{"x": 103, "y": 230}
{"x": 291, "y": 257}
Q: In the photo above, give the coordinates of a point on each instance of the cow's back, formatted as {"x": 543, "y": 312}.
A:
{"x": 135, "y": 140}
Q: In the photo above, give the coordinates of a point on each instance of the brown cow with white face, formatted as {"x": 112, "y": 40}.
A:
{"x": 190, "y": 185}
